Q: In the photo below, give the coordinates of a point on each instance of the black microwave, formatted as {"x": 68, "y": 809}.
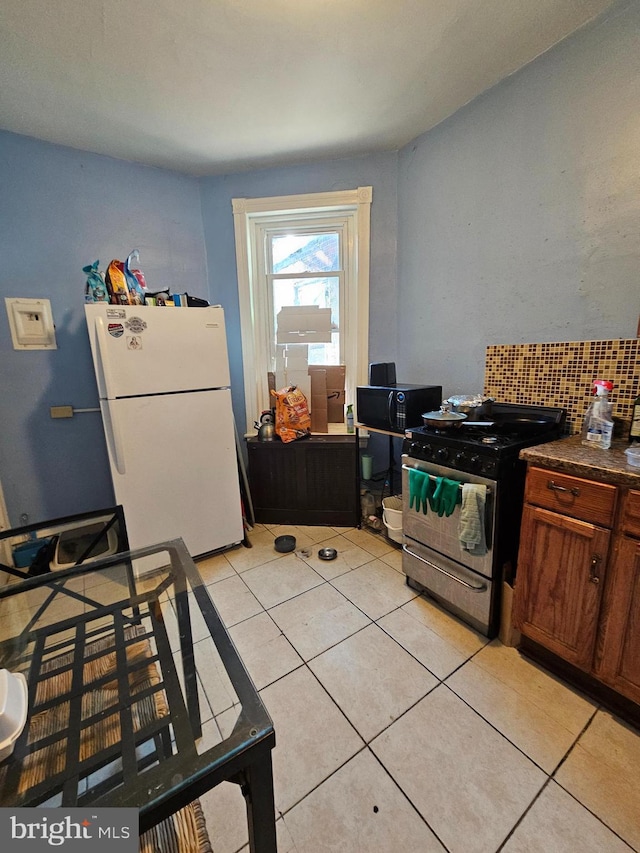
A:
{"x": 395, "y": 408}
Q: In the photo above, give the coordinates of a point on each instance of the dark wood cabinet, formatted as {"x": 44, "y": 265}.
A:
{"x": 577, "y": 589}
{"x": 618, "y": 659}
{"x": 311, "y": 481}
{"x": 559, "y": 585}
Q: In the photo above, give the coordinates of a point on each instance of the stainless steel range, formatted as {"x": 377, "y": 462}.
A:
{"x": 479, "y": 460}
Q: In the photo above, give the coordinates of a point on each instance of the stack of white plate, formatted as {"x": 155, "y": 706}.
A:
{"x": 13, "y": 709}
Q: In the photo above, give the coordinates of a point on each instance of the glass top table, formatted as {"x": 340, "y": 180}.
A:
{"x": 115, "y": 654}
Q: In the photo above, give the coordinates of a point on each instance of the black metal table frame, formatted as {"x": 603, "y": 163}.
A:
{"x": 116, "y": 520}
{"x": 243, "y": 758}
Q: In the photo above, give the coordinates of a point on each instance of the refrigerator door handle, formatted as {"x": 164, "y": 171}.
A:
{"x": 103, "y": 372}
{"x": 113, "y": 436}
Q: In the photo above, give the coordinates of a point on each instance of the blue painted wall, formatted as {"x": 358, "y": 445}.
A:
{"x": 378, "y": 171}
{"x": 61, "y": 209}
{"x": 519, "y": 217}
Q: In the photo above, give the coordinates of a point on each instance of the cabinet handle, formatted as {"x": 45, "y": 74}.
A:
{"x": 556, "y": 488}
{"x": 593, "y": 568}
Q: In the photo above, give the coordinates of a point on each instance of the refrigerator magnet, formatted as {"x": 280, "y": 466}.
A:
{"x": 136, "y": 325}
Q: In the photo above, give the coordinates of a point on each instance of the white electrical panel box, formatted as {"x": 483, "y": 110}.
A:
{"x": 31, "y": 323}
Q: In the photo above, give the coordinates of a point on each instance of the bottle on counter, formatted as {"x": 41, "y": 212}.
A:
{"x": 597, "y": 428}
{"x": 634, "y": 429}
{"x": 350, "y": 425}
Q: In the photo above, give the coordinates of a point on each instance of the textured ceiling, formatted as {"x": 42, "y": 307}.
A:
{"x": 214, "y": 86}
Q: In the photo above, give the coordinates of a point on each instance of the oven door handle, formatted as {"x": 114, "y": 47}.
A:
{"x": 473, "y": 587}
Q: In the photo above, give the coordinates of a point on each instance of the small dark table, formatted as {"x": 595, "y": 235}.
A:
{"x": 312, "y": 480}
{"x": 114, "y": 719}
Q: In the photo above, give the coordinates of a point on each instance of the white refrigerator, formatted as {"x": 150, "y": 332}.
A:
{"x": 163, "y": 382}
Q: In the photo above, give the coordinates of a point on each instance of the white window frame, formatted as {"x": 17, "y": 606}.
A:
{"x": 251, "y": 217}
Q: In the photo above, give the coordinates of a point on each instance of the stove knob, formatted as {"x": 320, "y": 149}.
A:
{"x": 475, "y": 463}
{"x": 414, "y": 448}
{"x": 442, "y": 453}
{"x": 460, "y": 458}
{"x": 427, "y": 451}
{"x": 489, "y": 469}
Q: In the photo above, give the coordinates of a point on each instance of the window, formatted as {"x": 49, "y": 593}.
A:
{"x": 307, "y": 250}
{"x": 306, "y": 268}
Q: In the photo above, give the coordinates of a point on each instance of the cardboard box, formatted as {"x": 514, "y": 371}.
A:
{"x": 335, "y": 407}
{"x": 318, "y": 402}
{"x": 296, "y": 357}
{"x": 302, "y": 380}
{"x": 509, "y": 634}
{"x": 291, "y": 368}
{"x": 299, "y": 324}
{"x": 336, "y": 375}
{"x": 335, "y": 393}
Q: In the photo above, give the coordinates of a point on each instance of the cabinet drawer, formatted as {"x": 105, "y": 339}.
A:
{"x": 584, "y": 499}
{"x": 631, "y": 513}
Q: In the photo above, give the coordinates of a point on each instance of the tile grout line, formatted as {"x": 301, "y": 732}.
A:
{"x": 576, "y": 743}
{"x": 430, "y": 671}
{"x": 550, "y": 777}
{"x": 497, "y": 730}
{"x": 408, "y": 798}
{"x": 584, "y": 729}
{"x": 322, "y": 782}
{"x": 537, "y": 796}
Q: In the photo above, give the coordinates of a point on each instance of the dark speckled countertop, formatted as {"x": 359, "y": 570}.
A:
{"x": 570, "y": 456}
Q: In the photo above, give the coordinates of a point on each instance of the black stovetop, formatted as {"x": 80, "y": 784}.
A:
{"x": 486, "y": 447}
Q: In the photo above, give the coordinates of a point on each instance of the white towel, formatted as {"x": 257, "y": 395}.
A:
{"x": 471, "y": 523}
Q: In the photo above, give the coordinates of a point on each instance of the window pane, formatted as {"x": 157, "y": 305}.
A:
{"x": 305, "y": 253}
{"x": 323, "y": 292}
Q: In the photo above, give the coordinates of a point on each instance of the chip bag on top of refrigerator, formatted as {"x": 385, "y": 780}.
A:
{"x": 135, "y": 278}
{"x": 117, "y": 284}
{"x": 96, "y": 288}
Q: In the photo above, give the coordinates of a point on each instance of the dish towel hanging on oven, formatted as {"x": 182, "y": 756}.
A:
{"x": 471, "y": 525}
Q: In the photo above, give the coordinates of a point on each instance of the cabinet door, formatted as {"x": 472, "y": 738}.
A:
{"x": 631, "y": 513}
{"x": 619, "y": 659}
{"x": 558, "y": 584}
{"x": 311, "y": 481}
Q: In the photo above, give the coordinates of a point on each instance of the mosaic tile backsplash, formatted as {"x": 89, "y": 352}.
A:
{"x": 560, "y": 374}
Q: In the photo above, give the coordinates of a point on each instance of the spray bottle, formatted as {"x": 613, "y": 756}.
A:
{"x": 598, "y": 421}
{"x": 350, "y": 424}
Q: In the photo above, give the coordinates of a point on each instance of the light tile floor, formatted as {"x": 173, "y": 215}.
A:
{"x": 401, "y": 730}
